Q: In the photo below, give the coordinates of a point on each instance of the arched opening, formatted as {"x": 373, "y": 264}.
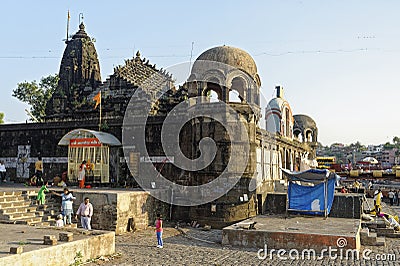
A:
{"x": 213, "y": 92}
{"x": 237, "y": 90}
{"x": 309, "y": 136}
{"x": 272, "y": 123}
{"x": 234, "y": 97}
{"x": 288, "y": 160}
{"x": 297, "y": 134}
{"x": 213, "y": 96}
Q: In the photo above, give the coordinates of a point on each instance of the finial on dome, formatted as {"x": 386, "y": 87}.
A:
{"x": 138, "y": 54}
{"x": 279, "y": 91}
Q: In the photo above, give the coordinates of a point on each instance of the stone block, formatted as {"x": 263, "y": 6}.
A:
{"x": 347, "y": 206}
{"x": 364, "y": 233}
{"x": 50, "y": 240}
{"x": 16, "y": 250}
{"x": 66, "y": 237}
{"x": 275, "y": 203}
{"x": 380, "y": 241}
{"x": 47, "y": 237}
{"x": 71, "y": 225}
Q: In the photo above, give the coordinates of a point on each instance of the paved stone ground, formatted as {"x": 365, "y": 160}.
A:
{"x": 139, "y": 248}
{"x": 199, "y": 247}
{"x": 31, "y": 237}
{"x": 203, "y": 248}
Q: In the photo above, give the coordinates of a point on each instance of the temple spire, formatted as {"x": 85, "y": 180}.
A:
{"x": 68, "y": 18}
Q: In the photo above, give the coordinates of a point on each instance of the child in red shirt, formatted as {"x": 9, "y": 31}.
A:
{"x": 159, "y": 231}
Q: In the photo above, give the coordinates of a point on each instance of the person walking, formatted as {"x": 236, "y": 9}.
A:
{"x": 377, "y": 200}
{"x": 39, "y": 171}
{"x": 41, "y": 196}
{"x": 398, "y": 199}
{"x": 3, "y": 171}
{"x": 159, "y": 231}
{"x": 81, "y": 174}
{"x": 85, "y": 210}
{"x": 66, "y": 205}
{"x": 391, "y": 197}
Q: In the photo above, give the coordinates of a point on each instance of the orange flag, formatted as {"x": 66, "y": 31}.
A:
{"x": 97, "y": 98}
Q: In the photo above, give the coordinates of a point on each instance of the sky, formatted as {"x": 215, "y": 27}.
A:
{"x": 338, "y": 61}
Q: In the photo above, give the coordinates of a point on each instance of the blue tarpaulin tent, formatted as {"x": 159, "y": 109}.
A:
{"x": 310, "y": 191}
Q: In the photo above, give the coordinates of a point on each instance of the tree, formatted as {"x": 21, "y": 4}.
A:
{"x": 358, "y": 146}
{"x": 1, "y": 118}
{"x": 388, "y": 146}
{"x": 37, "y": 95}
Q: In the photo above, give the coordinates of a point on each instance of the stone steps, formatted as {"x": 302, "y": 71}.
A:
{"x": 16, "y": 216}
{"x": 71, "y": 225}
{"x": 5, "y": 199}
{"x": 7, "y": 211}
{"x": 22, "y": 208}
{"x": 380, "y": 241}
{"x": 371, "y": 239}
{"x": 29, "y": 221}
{"x": 388, "y": 232}
{"x": 10, "y": 193}
{"x": 39, "y": 213}
{"x": 48, "y": 218}
{"x": 43, "y": 224}
{"x": 46, "y": 207}
{"x": 30, "y": 193}
{"x": 14, "y": 204}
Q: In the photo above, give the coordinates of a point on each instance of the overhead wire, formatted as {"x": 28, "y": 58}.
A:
{"x": 267, "y": 53}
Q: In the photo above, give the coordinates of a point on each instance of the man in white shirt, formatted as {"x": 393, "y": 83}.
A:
{"x": 391, "y": 197}
{"x": 85, "y": 210}
{"x": 2, "y": 172}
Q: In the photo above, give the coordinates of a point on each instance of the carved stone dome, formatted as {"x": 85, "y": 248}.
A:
{"x": 232, "y": 56}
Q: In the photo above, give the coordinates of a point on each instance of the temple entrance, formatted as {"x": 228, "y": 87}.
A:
{"x": 92, "y": 147}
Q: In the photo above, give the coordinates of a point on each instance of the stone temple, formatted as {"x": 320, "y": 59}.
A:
{"x": 213, "y": 163}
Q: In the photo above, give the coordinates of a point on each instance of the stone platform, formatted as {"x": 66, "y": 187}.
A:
{"x": 119, "y": 210}
{"x": 79, "y": 246}
{"x": 294, "y": 232}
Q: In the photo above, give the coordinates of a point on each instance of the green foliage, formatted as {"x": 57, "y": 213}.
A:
{"x": 358, "y": 146}
{"x": 104, "y": 126}
{"x": 37, "y": 95}
{"x": 388, "y": 146}
{"x": 1, "y": 118}
{"x": 394, "y": 145}
{"x": 77, "y": 259}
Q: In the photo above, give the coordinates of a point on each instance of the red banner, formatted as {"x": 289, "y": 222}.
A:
{"x": 84, "y": 142}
